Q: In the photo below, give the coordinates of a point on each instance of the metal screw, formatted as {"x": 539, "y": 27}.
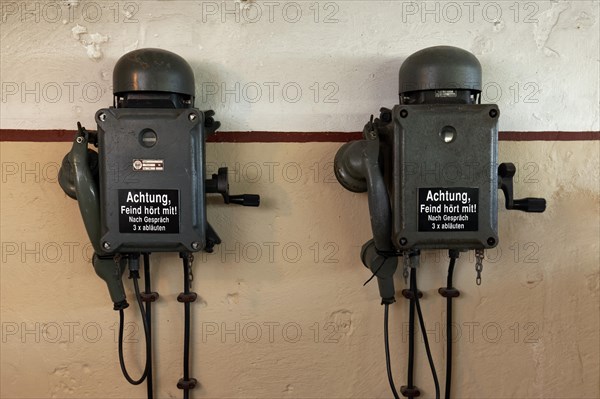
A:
{"x": 193, "y": 117}
{"x": 493, "y": 113}
{"x": 403, "y": 241}
{"x": 106, "y": 245}
{"x": 102, "y": 117}
{"x": 195, "y": 245}
{"x": 404, "y": 113}
{"x": 491, "y": 241}
{"x": 79, "y": 140}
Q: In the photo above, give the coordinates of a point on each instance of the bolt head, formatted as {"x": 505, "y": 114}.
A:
{"x": 195, "y": 245}
{"x": 102, "y": 117}
{"x": 106, "y": 245}
{"x": 79, "y": 140}
{"x": 193, "y": 117}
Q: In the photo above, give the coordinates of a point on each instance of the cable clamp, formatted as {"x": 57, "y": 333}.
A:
{"x": 186, "y": 298}
{"x": 409, "y": 294}
{"x": 409, "y": 392}
{"x": 149, "y": 297}
{"x": 187, "y": 384}
{"x": 449, "y": 292}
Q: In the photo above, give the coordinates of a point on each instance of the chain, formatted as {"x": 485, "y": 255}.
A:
{"x": 191, "y": 267}
{"x": 405, "y": 267}
{"x": 479, "y": 255}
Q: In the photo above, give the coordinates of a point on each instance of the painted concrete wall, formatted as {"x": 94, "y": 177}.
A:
{"x": 283, "y": 312}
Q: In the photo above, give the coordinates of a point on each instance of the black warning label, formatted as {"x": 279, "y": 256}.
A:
{"x": 149, "y": 211}
{"x": 448, "y": 209}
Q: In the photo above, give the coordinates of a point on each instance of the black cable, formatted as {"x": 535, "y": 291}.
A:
{"x": 148, "y": 291}
{"x": 449, "y": 327}
{"x": 413, "y": 278}
{"x": 387, "y": 351}
{"x": 138, "y": 297}
{"x": 411, "y": 341}
{"x": 187, "y": 326}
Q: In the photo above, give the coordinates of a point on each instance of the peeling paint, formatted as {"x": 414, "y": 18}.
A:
{"x": 244, "y": 4}
{"x": 499, "y": 26}
{"x": 289, "y": 388}
{"x": 584, "y": 20}
{"x": 343, "y": 321}
{"x": 66, "y": 383}
{"x": 547, "y": 21}
{"x": 94, "y": 51}
{"x": 233, "y": 298}
{"x": 77, "y": 31}
{"x": 128, "y": 14}
{"x": 93, "y": 42}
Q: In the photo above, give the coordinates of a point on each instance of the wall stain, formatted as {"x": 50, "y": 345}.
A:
{"x": 233, "y": 298}
{"x": 342, "y": 319}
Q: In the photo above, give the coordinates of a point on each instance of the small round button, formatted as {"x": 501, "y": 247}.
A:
{"x": 148, "y": 138}
{"x": 448, "y": 134}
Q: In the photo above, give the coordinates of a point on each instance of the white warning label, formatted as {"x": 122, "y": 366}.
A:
{"x": 448, "y": 209}
{"x": 149, "y": 211}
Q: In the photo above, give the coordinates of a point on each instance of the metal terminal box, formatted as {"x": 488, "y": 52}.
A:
{"x": 444, "y": 176}
{"x": 152, "y": 179}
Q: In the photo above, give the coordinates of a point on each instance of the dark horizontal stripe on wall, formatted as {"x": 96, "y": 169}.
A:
{"x": 49, "y": 136}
